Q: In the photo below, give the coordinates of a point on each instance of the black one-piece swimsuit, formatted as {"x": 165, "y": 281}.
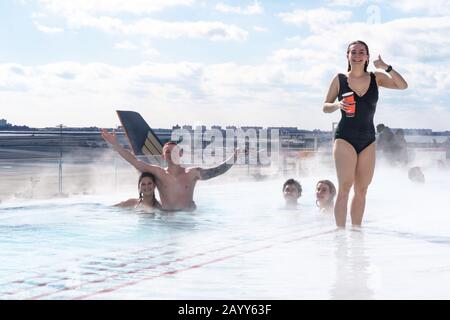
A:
{"x": 359, "y": 130}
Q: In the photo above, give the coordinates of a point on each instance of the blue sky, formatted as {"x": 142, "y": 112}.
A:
{"x": 265, "y": 63}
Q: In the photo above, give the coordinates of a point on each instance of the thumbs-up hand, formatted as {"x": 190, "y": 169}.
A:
{"x": 379, "y": 63}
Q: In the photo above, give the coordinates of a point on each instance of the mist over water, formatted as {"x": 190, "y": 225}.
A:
{"x": 240, "y": 243}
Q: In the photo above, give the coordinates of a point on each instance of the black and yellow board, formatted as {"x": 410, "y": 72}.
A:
{"x": 142, "y": 139}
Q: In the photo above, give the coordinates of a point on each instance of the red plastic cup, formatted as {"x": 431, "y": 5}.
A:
{"x": 349, "y": 98}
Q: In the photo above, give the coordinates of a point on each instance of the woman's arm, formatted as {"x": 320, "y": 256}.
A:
{"x": 392, "y": 81}
{"x": 330, "y": 104}
{"x": 130, "y": 203}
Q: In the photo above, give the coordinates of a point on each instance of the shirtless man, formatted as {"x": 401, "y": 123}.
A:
{"x": 175, "y": 183}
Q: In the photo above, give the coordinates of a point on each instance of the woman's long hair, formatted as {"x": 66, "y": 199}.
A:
{"x": 155, "y": 202}
{"x": 367, "y": 50}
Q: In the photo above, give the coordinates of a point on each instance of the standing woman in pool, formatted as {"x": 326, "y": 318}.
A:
{"x": 354, "y": 144}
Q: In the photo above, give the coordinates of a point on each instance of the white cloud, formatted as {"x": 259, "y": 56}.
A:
{"x": 46, "y": 29}
{"x": 286, "y": 90}
{"x": 229, "y": 93}
{"x": 422, "y": 7}
{"x": 316, "y": 19}
{"x": 305, "y": 55}
{"x": 151, "y": 52}
{"x": 125, "y": 45}
{"x": 435, "y": 7}
{"x": 37, "y": 15}
{"x": 144, "y": 48}
{"x": 260, "y": 29}
{"x": 201, "y": 29}
{"x": 347, "y": 3}
{"x": 123, "y": 17}
{"x": 212, "y": 30}
{"x": 92, "y": 7}
{"x": 409, "y": 39}
{"x": 252, "y": 9}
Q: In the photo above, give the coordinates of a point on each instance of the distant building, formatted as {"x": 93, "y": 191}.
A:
{"x": 417, "y": 132}
{"x": 285, "y": 130}
{"x": 164, "y": 135}
{"x": 3, "y": 123}
{"x": 200, "y": 128}
{"x": 251, "y": 127}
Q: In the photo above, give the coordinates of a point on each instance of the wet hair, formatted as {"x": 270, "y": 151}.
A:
{"x": 367, "y": 51}
{"x": 415, "y": 174}
{"x": 141, "y": 196}
{"x": 380, "y": 126}
{"x": 332, "y": 191}
{"x": 169, "y": 143}
{"x": 295, "y": 183}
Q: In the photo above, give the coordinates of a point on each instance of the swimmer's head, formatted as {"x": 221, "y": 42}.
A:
{"x": 292, "y": 190}
{"x": 146, "y": 185}
{"x": 357, "y": 54}
{"x": 325, "y": 193}
{"x": 415, "y": 174}
{"x": 380, "y": 127}
{"x": 171, "y": 152}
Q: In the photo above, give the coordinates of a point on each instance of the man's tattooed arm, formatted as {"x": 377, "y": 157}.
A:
{"x": 205, "y": 174}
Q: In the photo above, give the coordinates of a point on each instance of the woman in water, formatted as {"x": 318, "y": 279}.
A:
{"x": 147, "y": 200}
{"x": 325, "y": 193}
{"x": 354, "y": 147}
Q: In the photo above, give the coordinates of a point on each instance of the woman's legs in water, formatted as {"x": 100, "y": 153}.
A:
{"x": 365, "y": 168}
{"x": 345, "y": 159}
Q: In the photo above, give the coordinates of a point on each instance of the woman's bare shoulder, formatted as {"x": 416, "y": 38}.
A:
{"x": 127, "y": 203}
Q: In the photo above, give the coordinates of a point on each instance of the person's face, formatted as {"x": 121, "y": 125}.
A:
{"x": 357, "y": 55}
{"x": 291, "y": 193}
{"x": 172, "y": 153}
{"x": 146, "y": 186}
{"x": 323, "y": 192}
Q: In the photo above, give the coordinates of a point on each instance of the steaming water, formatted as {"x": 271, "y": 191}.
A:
{"x": 239, "y": 244}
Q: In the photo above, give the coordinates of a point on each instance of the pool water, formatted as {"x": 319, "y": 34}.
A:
{"x": 239, "y": 244}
